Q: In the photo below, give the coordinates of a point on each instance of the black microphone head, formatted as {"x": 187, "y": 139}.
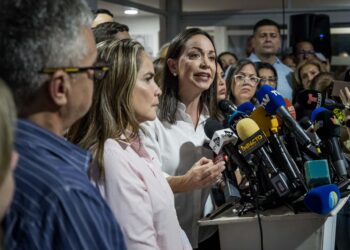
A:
{"x": 212, "y": 125}
{"x": 227, "y": 106}
{"x": 309, "y": 99}
{"x": 305, "y": 123}
{"x": 306, "y": 101}
{"x": 327, "y": 125}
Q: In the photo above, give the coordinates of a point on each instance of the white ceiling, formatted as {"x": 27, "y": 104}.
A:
{"x": 118, "y": 10}
{"x": 250, "y": 5}
{"x": 234, "y": 5}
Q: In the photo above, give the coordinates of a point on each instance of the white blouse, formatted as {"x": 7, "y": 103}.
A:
{"x": 140, "y": 198}
{"x": 177, "y": 147}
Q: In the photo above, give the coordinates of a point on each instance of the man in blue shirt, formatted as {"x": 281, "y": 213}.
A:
{"x": 266, "y": 44}
{"x": 47, "y": 56}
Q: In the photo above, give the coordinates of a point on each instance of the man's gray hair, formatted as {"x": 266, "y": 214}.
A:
{"x": 36, "y": 34}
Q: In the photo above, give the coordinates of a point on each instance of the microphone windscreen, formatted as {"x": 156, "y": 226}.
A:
{"x": 246, "y": 107}
{"x": 305, "y": 123}
{"x": 263, "y": 120}
{"x": 323, "y": 199}
{"x": 326, "y": 124}
{"x": 270, "y": 99}
{"x": 235, "y": 116}
{"x": 339, "y": 114}
{"x": 212, "y": 125}
{"x": 290, "y": 108}
{"x": 316, "y": 112}
{"x": 226, "y": 106}
{"x": 246, "y": 127}
{"x": 317, "y": 173}
{"x": 309, "y": 99}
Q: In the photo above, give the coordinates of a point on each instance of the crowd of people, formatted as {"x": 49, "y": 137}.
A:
{"x": 102, "y": 146}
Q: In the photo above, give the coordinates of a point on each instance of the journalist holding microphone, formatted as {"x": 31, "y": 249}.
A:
{"x": 176, "y": 137}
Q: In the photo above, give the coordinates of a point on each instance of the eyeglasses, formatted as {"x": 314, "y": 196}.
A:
{"x": 99, "y": 71}
{"x": 267, "y": 80}
{"x": 249, "y": 79}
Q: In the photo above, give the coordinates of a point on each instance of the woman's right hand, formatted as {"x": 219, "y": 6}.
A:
{"x": 202, "y": 174}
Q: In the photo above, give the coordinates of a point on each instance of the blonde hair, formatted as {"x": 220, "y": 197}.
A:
{"x": 7, "y": 120}
{"x": 312, "y": 61}
{"x": 112, "y": 114}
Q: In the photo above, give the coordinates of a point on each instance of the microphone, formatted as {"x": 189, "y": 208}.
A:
{"x": 312, "y": 99}
{"x": 292, "y": 141}
{"x": 307, "y": 125}
{"x": 232, "y": 153}
{"x": 221, "y": 137}
{"x": 322, "y": 199}
{"x": 274, "y": 104}
{"x": 317, "y": 173}
{"x": 234, "y": 114}
{"x": 269, "y": 125}
{"x": 227, "y": 107}
{"x": 246, "y": 107}
{"x": 290, "y": 108}
{"x": 309, "y": 99}
{"x": 328, "y": 129}
{"x": 306, "y": 101}
{"x": 253, "y": 140}
{"x": 315, "y": 113}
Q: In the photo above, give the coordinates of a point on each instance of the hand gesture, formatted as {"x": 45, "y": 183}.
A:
{"x": 204, "y": 173}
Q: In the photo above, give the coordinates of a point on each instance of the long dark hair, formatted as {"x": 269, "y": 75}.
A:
{"x": 170, "y": 83}
{"x": 265, "y": 65}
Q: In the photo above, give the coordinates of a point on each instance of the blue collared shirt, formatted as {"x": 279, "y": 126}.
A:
{"x": 55, "y": 206}
{"x": 284, "y": 74}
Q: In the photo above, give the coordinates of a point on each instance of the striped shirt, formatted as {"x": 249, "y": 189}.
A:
{"x": 55, "y": 206}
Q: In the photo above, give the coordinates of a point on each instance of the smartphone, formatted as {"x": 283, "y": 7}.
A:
{"x": 337, "y": 86}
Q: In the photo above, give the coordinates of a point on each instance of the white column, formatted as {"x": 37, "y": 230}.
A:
{"x": 220, "y": 38}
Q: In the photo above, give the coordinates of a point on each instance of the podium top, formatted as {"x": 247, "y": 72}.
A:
{"x": 280, "y": 213}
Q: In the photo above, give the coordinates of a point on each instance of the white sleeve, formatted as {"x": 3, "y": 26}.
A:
{"x": 185, "y": 242}
{"x": 149, "y": 139}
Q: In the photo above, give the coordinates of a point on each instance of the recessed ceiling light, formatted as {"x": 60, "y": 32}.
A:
{"x": 131, "y": 12}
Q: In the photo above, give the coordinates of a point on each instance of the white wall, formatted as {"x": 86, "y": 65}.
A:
{"x": 145, "y": 30}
